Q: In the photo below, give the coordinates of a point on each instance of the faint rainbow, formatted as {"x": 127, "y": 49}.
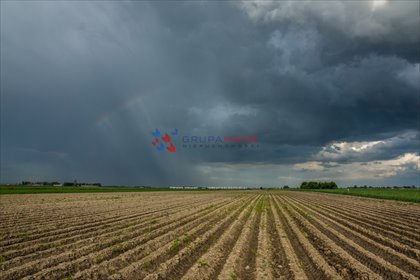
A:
{"x": 106, "y": 117}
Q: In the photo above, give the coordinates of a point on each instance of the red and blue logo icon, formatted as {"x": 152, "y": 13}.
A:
{"x": 164, "y": 142}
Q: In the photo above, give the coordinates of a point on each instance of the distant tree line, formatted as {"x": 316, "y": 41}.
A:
{"x": 389, "y": 187}
{"x": 65, "y": 184}
{"x": 27, "y": 183}
{"x": 318, "y": 185}
{"x": 73, "y": 184}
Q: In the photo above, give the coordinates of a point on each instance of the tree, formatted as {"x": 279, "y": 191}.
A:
{"x": 318, "y": 185}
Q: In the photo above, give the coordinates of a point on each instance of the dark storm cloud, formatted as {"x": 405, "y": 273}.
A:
{"x": 83, "y": 84}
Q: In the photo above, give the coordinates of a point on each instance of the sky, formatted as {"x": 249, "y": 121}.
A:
{"x": 330, "y": 90}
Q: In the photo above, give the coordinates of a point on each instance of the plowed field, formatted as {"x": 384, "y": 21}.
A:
{"x": 207, "y": 235}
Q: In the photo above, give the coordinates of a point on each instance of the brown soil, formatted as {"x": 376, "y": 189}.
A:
{"x": 207, "y": 235}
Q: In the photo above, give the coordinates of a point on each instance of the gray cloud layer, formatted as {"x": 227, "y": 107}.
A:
{"x": 83, "y": 84}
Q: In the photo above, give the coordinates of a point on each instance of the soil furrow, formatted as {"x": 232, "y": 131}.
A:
{"x": 378, "y": 265}
{"x": 404, "y": 218}
{"x": 344, "y": 264}
{"x": 365, "y": 234}
{"x": 241, "y": 234}
{"x": 288, "y": 264}
{"x": 176, "y": 265}
{"x": 370, "y": 220}
{"x": 79, "y": 241}
{"x": 211, "y": 262}
{"x": 103, "y": 248}
{"x": 313, "y": 263}
{"x": 87, "y": 226}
